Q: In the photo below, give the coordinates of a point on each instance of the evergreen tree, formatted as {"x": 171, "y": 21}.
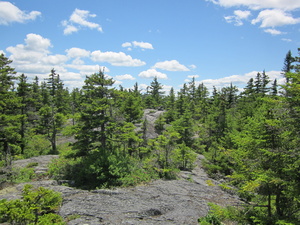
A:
{"x": 274, "y": 87}
{"x": 155, "y": 93}
{"x": 170, "y": 114}
{"x": 51, "y": 120}
{"x": 9, "y": 117}
{"x": 132, "y": 108}
{"x": 95, "y": 115}
{"x": 24, "y": 93}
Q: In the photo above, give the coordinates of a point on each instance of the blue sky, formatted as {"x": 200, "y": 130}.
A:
{"x": 215, "y": 41}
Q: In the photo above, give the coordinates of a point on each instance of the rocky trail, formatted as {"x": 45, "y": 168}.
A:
{"x": 161, "y": 202}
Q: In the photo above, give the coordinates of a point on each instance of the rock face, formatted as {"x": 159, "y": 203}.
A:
{"x": 161, "y": 202}
{"x": 150, "y": 115}
{"x": 180, "y": 201}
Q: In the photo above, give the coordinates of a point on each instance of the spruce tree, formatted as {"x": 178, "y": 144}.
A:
{"x": 9, "y": 108}
{"x": 94, "y": 115}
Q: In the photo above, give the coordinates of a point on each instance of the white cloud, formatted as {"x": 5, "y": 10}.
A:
{"x": 86, "y": 69}
{"x": 238, "y": 16}
{"x": 260, "y": 4}
{"x": 54, "y": 60}
{"x": 192, "y": 67}
{"x": 287, "y": 39}
{"x": 70, "y": 29}
{"x": 144, "y": 45}
{"x": 166, "y": 89}
{"x": 274, "y": 18}
{"x": 9, "y": 13}
{"x": 125, "y": 77}
{"x": 116, "y": 58}
{"x": 272, "y": 13}
{"x": 126, "y": 45}
{"x": 239, "y": 80}
{"x": 172, "y": 65}
{"x": 242, "y": 14}
{"x": 79, "y": 19}
{"x": 273, "y": 31}
{"x": 36, "y": 48}
{"x": 151, "y": 73}
{"x": 34, "y": 59}
{"x": 77, "y": 53}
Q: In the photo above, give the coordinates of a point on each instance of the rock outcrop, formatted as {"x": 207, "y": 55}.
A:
{"x": 161, "y": 202}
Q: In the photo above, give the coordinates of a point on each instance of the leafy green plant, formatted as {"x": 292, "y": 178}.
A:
{"x": 32, "y": 164}
{"x": 36, "y": 206}
{"x": 37, "y": 145}
{"x": 21, "y": 175}
{"x": 218, "y": 215}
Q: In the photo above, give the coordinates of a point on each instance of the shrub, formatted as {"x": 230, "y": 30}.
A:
{"x": 37, "y": 145}
{"x": 36, "y": 207}
{"x": 21, "y": 175}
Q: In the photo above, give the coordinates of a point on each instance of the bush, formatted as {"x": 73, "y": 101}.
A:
{"x": 21, "y": 175}
{"x": 217, "y": 215}
{"x": 36, "y": 207}
{"x": 37, "y": 145}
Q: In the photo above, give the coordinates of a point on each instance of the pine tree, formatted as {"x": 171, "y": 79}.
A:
{"x": 24, "y": 93}
{"x": 95, "y": 116}
{"x": 9, "y": 117}
{"x": 155, "y": 93}
{"x": 51, "y": 120}
{"x": 131, "y": 108}
{"x": 288, "y": 64}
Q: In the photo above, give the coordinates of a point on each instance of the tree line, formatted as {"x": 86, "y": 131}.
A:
{"x": 250, "y": 139}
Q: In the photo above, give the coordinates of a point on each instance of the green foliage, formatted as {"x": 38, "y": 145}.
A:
{"x": 36, "y": 207}
{"x": 218, "y": 215}
{"x": 51, "y": 219}
{"x": 37, "y": 145}
{"x": 23, "y": 175}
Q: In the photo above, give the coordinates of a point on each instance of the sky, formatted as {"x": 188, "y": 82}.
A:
{"x": 217, "y": 42}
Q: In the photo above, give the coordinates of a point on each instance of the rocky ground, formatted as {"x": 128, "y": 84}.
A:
{"x": 180, "y": 201}
{"x": 161, "y": 202}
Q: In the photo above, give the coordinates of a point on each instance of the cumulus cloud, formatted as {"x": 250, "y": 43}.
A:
{"x": 238, "y": 17}
{"x": 85, "y": 69}
{"x": 259, "y": 4}
{"x": 142, "y": 45}
{"x": 239, "y": 80}
{"x": 172, "y": 65}
{"x": 116, "y": 58}
{"x": 151, "y": 73}
{"x": 9, "y": 13}
{"x": 273, "y": 31}
{"x": 126, "y": 45}
{"x": 271, "y": 13}
{"x": 77, "y": 53}
{"x": 34, "y": 58}
{"x": 125, "y": 77}
{"x": 35, "y": 49}
{"x": 274, "y": 18}
{"x": 78, "y": 20}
